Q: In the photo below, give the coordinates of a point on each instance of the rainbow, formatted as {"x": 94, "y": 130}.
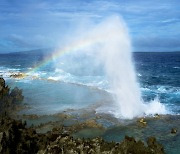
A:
{"x": 74, "y": 46}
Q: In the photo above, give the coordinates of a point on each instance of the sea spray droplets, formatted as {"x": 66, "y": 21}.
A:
{"x": 115, "y": 53}
{"x": 110, "y": 44}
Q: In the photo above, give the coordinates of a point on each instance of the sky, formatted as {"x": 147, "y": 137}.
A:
{"x": 153, "y": 25}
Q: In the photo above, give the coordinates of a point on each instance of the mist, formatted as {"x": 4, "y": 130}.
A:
{"x": 104, "y": 48}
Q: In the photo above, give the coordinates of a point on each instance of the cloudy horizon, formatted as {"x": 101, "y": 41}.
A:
{"x": 153, "y": 25}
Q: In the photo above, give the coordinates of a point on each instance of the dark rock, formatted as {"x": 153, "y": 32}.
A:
{"x": 2, "y": 83}
{"x": 9, "y": 100}
{"x": 157, "y": 116}
{"x": 15, "y": 138}
{"x": 129, "y": 145}
{"x": 173, "y": 131}
{"x": 18, "y": 75}
{"x": 142, "y": 122}
{"x": 16, "y": 94}
{"x": 154, "y": 146}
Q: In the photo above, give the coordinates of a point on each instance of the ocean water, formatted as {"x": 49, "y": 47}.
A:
{"x": 159, "y": 76}
{"x": 77, "y": 81}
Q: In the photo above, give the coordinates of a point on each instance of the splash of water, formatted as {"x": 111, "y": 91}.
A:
{"x": 115, "y": 53}
{"x": 110, "y": 42}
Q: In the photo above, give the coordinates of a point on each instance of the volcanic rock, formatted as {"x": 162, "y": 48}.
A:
{"x": 173, "y": 131}
{"x": 9, "y": 100}
{"x": 16, "y": 94}
{"x": 2, "y": 83}
{"x": 18, "y": 75}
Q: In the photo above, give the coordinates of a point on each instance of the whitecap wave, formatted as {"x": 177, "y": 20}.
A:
{"x": 155, "y": 107}
{"x": 39, "y": 74}
{"x": 99, "y": 82}
{"x": 139, "y": 74}
{"x": 176, "y": 67}
{"x": 147, "y": 109}
{"x": 6, "y": 72}
{"x": 160, "y": 89}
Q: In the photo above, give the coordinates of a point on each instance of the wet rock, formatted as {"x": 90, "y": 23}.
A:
{"x": 31, "y": 116}
{"x": 142, "y": 122}
{"x": 154, "y": 146}
{"x": 2, "y": 83}
{"x": 173, "y": 131}
{"x": 157, "y": 116}
{"x": 130, "y": 145}
{"x": 18, "y": 75}
{"x": 92, "y": 124}
{"x": 63, "y": 116}
{"x": 4, "y": 90}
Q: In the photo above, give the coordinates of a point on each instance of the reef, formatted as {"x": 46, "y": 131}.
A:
{"x": 17, "y": 137}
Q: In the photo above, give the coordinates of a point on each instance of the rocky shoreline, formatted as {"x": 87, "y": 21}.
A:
{"x": 17, "y": 137}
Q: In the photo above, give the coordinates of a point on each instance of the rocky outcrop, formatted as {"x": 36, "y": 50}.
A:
{"x": 66, "y": 144}
{"x": 130, "y": 145}
{"x": 15, "y": 138}
{"x": 2, "y": 84}
{"x": 16, "y": 95}
{"x": 9, "y": 99}
{"x": 173, "y": 131}
{"x": 18, "y": 75}
{"x": 4, "y": 90}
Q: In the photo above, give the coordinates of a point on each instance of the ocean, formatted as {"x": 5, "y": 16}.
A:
{"x": 159, "y": 76}
{"x": 73, "y": 84}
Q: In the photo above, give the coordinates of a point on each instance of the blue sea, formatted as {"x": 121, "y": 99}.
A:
{"x": 73, "y": 83}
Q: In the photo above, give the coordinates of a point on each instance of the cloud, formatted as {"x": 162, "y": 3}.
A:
{"x": 171, "y": 21}
{"x": 46, "y": 22}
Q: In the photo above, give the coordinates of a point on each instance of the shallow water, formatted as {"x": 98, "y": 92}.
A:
{"x": 45, "y": 97}
{"x": 160, "y": 128}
